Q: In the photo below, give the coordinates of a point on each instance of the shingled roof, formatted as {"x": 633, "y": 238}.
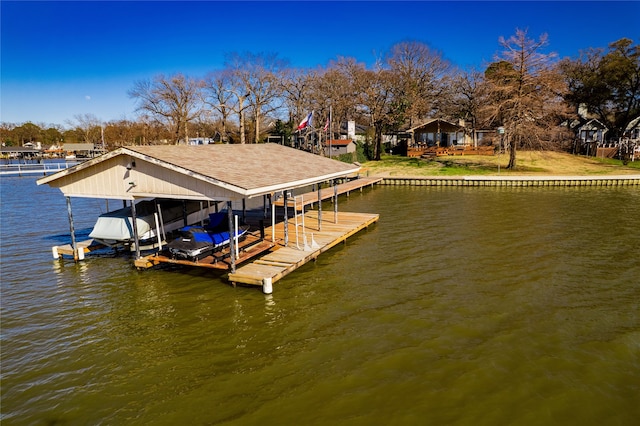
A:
{"x": 198, "y": 172}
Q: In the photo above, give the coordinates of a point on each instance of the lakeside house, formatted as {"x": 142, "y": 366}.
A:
{"x": 632, "y": 131}
{"x": 337, "y": 147}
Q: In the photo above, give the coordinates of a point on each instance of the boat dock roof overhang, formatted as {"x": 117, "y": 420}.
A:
{"x": 205, "y": 172}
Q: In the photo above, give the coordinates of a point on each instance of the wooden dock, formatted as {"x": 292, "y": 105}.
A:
{"x": 308, "y": 245}
{"x": 327, "y": 193}
{"x": 248, "y": 248}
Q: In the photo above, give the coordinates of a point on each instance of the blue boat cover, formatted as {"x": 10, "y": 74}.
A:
{"x": 216, "y": 219}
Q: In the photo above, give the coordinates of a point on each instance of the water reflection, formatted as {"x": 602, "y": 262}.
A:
{"x": 270, "y": 310}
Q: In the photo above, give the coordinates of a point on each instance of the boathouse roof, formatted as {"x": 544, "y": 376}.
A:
{"x": 203, "y": 172}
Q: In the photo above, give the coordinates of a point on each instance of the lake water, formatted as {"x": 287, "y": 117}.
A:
{"x": 482, "y": 306}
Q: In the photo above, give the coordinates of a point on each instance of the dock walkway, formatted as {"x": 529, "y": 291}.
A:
{"x": 308, "y": 246}
{"x": 326, "y": 193}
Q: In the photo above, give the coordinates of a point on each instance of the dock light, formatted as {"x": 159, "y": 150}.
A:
{"x": 131, "y": 165}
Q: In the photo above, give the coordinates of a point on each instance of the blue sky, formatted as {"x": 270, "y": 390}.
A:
{"x": 62, "y": 59}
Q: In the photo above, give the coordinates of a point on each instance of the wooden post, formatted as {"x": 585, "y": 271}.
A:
{"x": 135, "y": 228}
{"x": 232, "y": 243}
{"x": 286, "y": 219}
{"x": 273, "y": 219}
{"x": 72, "y": 230}
{"x": 335, "y": 202}
{"x": 320, "y": 206}
{"x": 244, "y": 210}
{"x": 184, "y": 213}
{"x": 264, "y": 205}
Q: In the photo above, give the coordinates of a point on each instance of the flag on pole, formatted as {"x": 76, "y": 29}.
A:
{"x": 326, "y": 125}
{"x": 306, "y": 122}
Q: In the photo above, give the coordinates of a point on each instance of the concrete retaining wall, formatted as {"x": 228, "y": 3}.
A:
{"x": 619, "y": 180}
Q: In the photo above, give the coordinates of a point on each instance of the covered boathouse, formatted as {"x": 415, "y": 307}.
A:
{"x": 214, "y": 173}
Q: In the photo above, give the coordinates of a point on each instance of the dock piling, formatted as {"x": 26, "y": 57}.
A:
{"x": 267, "y": 285}
{"x": 74, "y": 246}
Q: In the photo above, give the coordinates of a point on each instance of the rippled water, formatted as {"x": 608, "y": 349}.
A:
{"x": 461, "y": 306}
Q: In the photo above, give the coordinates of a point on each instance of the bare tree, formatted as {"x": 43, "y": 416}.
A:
{"x": 89, "y": 125}
{"x": 468, "y": 88}
{"x": 297, "y": 86}
{"x": 172, "y": 100}
{"x": 420, "y": 71}
{"x": 218, "y": 96}
{"x": 337, "y": 87}
{"x": 379, "y": 103}
{"x": 254, "y": 81}
{"x": 525, "y": 92}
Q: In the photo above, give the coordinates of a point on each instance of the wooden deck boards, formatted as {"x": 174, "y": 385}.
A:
{"x": 248, "y": 248}
{"x": 285, "y": 260}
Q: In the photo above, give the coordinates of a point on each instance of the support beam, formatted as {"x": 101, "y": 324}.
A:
{"x": 134, "y": 225}
{"x": 232, "y": 242}
{"x": 335, "y": 202}
{"x": 286, "y": 219}
{"x": 72, "y": 230}
{"x": 244, "y": 210}
{"x": 184, "y": 213}
{"x": 319, "y": 207}
{"x": 264, "y": 205}
{"x": 273, "y": 219}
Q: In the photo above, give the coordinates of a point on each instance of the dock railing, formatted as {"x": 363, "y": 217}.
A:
{"x": 33, "y": 169}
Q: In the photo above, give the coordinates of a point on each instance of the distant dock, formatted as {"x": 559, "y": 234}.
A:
{"x": 42, "y": 169}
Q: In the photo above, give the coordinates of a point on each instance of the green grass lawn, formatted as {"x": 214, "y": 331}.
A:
{"x": 527, "y": 162}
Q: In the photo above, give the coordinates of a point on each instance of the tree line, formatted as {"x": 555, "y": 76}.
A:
{"x": 532, "y": 94}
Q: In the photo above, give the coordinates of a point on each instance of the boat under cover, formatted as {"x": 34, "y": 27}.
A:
{"x": 117, "y": 226}
{"x": 198, "y": 242}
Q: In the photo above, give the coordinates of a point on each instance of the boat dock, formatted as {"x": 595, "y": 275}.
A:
{"x": 306, "y": 244}
{"x": 307, "y": 239}
{"x": 229, "y": 174}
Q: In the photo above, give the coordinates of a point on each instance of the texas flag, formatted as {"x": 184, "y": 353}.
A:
{"x": 306, "y": 122}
